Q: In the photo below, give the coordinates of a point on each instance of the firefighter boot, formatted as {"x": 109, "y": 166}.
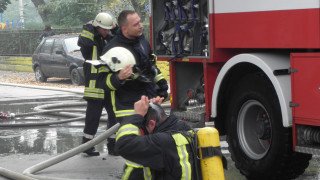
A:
{"x": 110, "y": 145}
{"x": 92, "y": 151}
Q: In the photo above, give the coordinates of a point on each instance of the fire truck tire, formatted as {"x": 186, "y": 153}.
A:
{"x": 40, "y": 77}
{"x": 259, "y": 144}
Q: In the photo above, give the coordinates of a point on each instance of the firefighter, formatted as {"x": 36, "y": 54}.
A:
{"x": 130, "y": 83}
{"x": 92, "y": 40}
{"x": 156, "y": 144}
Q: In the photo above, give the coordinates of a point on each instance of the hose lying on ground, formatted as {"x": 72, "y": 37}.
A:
{"x": 28, "y": 174}
{"x": 14, "y": 175}
{"x": 42, "y": 109}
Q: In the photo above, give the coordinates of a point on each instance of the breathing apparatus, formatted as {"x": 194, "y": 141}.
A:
{"x": 209, "y": 161}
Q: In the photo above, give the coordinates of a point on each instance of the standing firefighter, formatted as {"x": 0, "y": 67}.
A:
{"x": 128, "y": 84}
{"x": 92, "y": 40}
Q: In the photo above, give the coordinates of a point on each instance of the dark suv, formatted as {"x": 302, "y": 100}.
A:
{"x": 59, "y": 56}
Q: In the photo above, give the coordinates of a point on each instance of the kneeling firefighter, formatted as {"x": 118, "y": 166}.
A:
{"x": 158, "y": 146}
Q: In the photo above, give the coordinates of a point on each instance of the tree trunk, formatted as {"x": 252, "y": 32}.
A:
{"x": 140, "y": 9}
{"x": 43, "y": 14}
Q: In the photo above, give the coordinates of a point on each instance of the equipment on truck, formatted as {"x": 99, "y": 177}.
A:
{"x": 250, "y": 67}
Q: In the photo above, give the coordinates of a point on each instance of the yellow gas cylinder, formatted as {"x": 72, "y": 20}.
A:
{"x": 211, "y": 167}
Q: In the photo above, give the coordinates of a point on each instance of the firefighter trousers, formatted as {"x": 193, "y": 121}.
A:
{"x": 93, "y": 115}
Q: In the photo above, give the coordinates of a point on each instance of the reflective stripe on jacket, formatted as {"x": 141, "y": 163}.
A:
{"x": 129, "y": 91}
{"x": 166, "y": 151}
{"x": 92, "y": 44}
{"x": 133, "y": 170}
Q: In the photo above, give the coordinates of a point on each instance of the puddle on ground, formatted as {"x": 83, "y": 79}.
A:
{"x": 53, "y": 139}
{"x": 56, "y": 139}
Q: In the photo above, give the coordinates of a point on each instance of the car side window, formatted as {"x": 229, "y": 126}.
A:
{"x": 46, "y": 48}
{"x": 57, "y": 46}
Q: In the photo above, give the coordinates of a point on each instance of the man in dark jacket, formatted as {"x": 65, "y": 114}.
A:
{"x": 164, "y": 152}
{"x": 130, "y": 83}
{"x": 92, "y": 40}
{"x": 47, "y": 32}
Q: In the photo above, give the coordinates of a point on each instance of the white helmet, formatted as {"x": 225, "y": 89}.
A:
{"x": 117, "y": 58}
{"x": 103, "y": 20}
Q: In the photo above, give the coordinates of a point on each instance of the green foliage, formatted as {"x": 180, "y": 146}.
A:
{"x": 62, "y": 15}
{"x": 3, "y": 5}
{"x": 114, "y": 7}
{"x": 68, "y": 13}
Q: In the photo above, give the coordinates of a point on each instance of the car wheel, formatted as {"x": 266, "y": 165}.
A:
{"x": 40, "y": 77}
{"x": 76, "y": 78}
{"x": 259, "y": 144}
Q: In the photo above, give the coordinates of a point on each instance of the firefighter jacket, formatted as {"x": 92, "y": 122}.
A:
{"x": 91, "y": 45}
{"x": 166, "y": 152}
{"x": 125, "y": 93}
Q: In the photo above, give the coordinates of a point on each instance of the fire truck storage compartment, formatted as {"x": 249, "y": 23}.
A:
{"x": 306, "y": 87}
{"x": 306, "y": 102}
{"x": 180, "y": 28}
{"x": 188, "y": 76}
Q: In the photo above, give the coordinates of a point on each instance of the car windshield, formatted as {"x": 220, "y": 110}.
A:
{"x": 71, "y": 44}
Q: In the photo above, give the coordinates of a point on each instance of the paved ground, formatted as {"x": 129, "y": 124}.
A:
{"x": 28, "y": 78}
{"x": 19, "y": 149}
{"x": 22, "y": 148}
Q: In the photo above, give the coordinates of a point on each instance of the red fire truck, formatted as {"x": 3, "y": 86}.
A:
{"x": 253, "y": 68}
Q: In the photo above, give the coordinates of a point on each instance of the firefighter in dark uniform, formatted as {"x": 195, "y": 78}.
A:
{"x": 92, "y": 40}
{"x": 130, "y": 83}
{"x": 156, "y": 144}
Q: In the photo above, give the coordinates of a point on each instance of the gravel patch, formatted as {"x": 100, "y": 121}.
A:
{"x": 28, "y": 78}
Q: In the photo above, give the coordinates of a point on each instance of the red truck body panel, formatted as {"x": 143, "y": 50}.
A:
{"x": 268, "y": 29}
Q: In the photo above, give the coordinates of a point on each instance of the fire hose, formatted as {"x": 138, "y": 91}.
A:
{"x": 61, "y": 112}
{"x": 28, "y": 174}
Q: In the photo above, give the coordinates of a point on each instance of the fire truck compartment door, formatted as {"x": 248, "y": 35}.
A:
{"x": 306, "y": 86}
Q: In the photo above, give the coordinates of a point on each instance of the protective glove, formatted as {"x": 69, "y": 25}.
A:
{"x": 163, "y": 94}
{"x": 162, "y": 91}
{"x": 153, "y": 58}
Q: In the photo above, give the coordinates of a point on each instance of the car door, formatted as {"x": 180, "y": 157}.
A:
{"x": 61, "y": 65}
{"x": 45, "y": 58}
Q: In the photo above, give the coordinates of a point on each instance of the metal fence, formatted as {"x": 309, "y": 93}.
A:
{"x": 24, "y": 42}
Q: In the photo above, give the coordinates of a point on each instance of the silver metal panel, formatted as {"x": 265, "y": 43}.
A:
{"x": 308, "y": 150}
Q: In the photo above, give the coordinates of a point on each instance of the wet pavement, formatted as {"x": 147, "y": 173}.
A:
{"x": 23, "y": 147}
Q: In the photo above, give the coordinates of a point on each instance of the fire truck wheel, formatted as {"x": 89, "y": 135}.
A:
{"x": 259, "y": 144}
{"x": 40, "y": 77}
